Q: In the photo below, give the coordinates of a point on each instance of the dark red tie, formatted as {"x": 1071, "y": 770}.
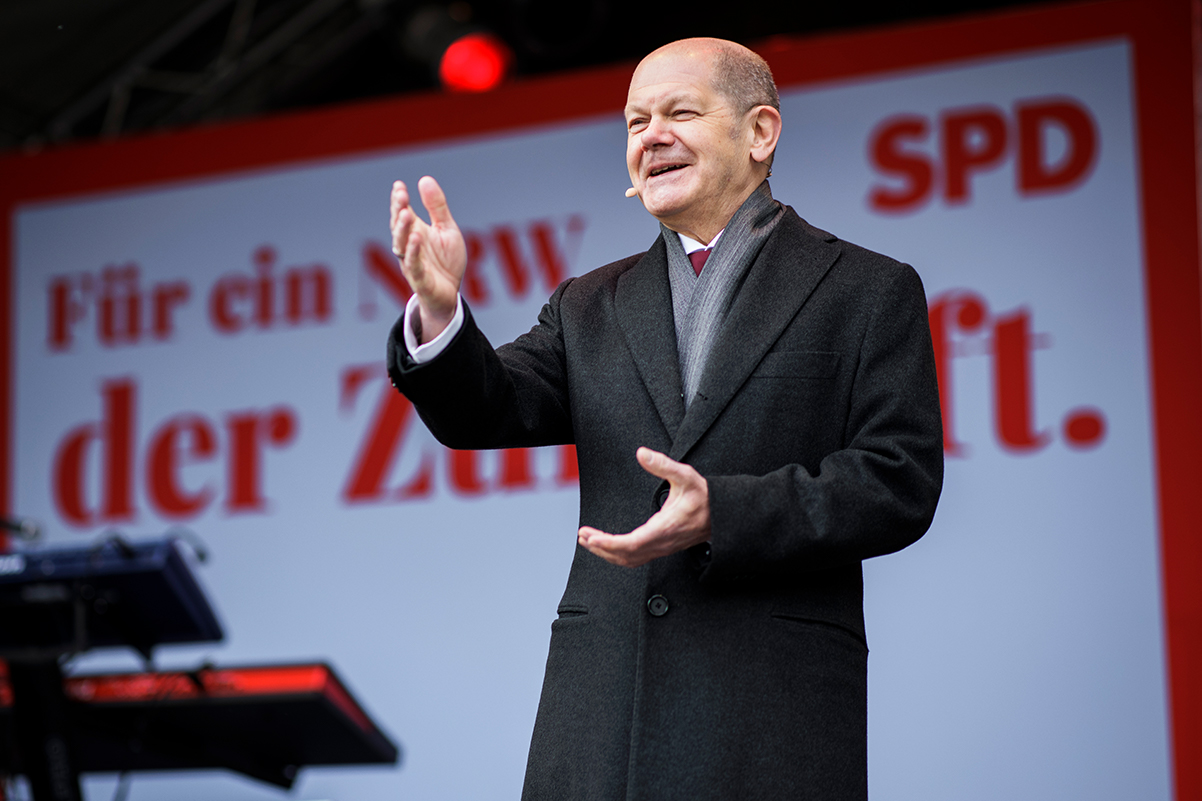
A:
{"x": 698, "y": 257}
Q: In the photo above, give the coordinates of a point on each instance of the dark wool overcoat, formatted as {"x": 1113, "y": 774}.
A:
{"x": 738, "y": 669}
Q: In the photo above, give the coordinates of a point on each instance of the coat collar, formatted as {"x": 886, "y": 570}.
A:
{"x": 643, "y": 306}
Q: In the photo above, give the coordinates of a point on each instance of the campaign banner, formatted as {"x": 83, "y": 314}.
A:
{"x": 202, "y": 350}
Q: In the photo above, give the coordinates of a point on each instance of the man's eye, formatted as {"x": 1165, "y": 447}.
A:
{"x": 684, "y": 114}
{"x": 634, "y": 126}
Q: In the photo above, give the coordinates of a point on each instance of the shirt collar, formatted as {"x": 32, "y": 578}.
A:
{"x": 689, "y": 244}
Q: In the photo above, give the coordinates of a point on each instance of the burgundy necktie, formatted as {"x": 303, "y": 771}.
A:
{"x": 698, "y": 257}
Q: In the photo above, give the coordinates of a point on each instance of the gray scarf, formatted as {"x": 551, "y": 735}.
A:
{"x": 700, "y": 303}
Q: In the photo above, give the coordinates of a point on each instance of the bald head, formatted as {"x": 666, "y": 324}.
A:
{"x": 739, "y": 74}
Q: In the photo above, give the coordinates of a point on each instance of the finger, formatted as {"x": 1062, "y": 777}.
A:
{"x": 419, "y": 268}
{"x": 660, "y": 466}
{"x": 640, "y": 538}
{"x": 625, "y": 550}
{"x": 411, "y": 247}
{"x": 402, "y": 232}
{"x": 591, "y": 539}
{"x": 613, "y": 559}
{"x": 399, "y": 200}
{"x": 609, "y": 547}
{"x": 586, "y": 534}
{"x": 435, "y": 202}
{"x": 599, "y": 541}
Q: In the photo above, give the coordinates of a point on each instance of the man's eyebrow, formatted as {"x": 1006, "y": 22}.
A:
{"x": 671, "y": 101}
{"x": 680, "y": 98}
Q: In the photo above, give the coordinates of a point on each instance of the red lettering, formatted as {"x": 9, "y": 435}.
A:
{"x": 120, "y": 306}
{"x": 380, "y": 265}
{"x": 1084, "y": 428}
{"x": 513, "y": 265}
{"x": 463, "y": 468}
{"x": 264, "y": 259}
{"x": 569, "y": 470}
{"x": 517, "y": 472}
{"x": 306, "y": 293}
{"x": 973, "y": 141}
{"x": 547, "y": 254}
{"x": 382, "y": 444}
{"x": 116, "y": 433}
{"x": 70, "y": 464}
{"x": 965, "y": 311}
{"x": 179, "y": 442}
{"x": 315, "y": 302}
{"x": 1035, "y": 173}
{"x": 65, "y": 310}
{"x": 166, "y": 455}
{"x": 248, "y": 431}
{"x": 474, "y": 289}
{"x": 957, "y": 315}
{"x": 166, "y": 298}
{"x": 227, "y": 290}
{"x": 976, "y": 139}
{"x": 1013, "y": 345}
{"x": 353, "y": 379}
{"x": 119, "y": 437}
{"x": 549, "y": 258}
{"x": 913, "y": 168}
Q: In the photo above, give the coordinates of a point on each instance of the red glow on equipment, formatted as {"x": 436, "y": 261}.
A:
{"x": 476, "y": 62}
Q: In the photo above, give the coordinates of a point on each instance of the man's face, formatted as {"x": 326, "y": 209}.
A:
{"x": 687, "y": 149}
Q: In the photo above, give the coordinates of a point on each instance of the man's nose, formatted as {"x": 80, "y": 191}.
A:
{"x": 657, "y": 132}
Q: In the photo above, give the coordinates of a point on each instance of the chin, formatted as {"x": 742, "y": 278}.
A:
{"x": 663, "y": 205}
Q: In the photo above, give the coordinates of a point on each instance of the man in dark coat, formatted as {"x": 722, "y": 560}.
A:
{"x": 750, "y": 425}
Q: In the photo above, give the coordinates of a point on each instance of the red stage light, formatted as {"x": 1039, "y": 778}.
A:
{"x": 476, "y": 62}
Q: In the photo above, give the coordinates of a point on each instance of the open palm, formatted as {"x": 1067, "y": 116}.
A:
{"x": 433, "y": 255}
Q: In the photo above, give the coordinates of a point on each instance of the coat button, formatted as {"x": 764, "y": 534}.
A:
{"x": 657, "y": 605}
{"x": 661, "y": 494}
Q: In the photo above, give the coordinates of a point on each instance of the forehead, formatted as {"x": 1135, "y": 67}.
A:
{"x": 665, "y": 76}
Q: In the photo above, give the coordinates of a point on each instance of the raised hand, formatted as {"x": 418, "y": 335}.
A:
{"x": 684, "y": 520}
{"x": 432, "y": 255}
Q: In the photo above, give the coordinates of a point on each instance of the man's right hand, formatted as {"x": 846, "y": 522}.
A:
{"x": 432, "y": 255}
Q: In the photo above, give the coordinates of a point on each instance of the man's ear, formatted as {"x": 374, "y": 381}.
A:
{"x": 765, "y": 132}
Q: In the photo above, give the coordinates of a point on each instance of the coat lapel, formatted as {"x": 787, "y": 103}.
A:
{"x": 641, "y": 296}
{"x": 792, "y": 262}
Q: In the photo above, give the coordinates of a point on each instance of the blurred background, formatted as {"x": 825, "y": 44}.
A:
{"x": 80, "y": 69}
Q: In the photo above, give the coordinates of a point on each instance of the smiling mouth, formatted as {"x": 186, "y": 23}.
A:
{"x": 668, "y": 168}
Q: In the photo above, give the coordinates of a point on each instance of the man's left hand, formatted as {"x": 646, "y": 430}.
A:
{"x": 682, "y": 522}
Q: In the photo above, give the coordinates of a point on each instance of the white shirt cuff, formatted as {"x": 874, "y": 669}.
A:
{"x": 424, "y": 353}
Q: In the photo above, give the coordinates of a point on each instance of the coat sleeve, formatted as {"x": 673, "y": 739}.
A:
{"x": 472, "y": 397}
{"x": 875, "y": 495}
